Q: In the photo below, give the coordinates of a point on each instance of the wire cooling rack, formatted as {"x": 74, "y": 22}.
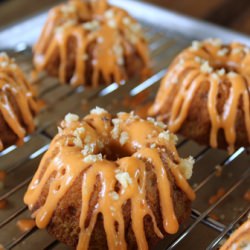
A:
{"x": 214, "y": 170}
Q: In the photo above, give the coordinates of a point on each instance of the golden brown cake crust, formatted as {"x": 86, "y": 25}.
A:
{"x": 91, "y": 43}
{"x": 124, "y": 167}
{"x": 213, "y": 108}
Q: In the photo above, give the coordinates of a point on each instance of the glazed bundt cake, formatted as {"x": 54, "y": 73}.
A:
{"x": 111, "y": 183}
{"x": 17, "y": 104}
{"x": 205, "y": 94}
{"x": 240, "y": 239}
{"x": 91, "y": 42}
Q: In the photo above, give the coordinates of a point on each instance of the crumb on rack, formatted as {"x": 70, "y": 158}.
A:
{"x": 2, "y": 175}
{"x": 26, "y": 225}
{"x": 214, "y": 198}
{"x": 247, "y": 195}
{"x": 3, "y": 204}
{"x": 218, "y": 170}
{"x": 214, "y": 216}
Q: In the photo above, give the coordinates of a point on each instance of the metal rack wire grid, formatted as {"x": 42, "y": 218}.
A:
{"x": 209, "y": 223}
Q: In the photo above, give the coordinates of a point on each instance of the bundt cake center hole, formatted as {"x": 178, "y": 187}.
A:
{"x": 114, "y": 152}
{"x": 227, "y": 67}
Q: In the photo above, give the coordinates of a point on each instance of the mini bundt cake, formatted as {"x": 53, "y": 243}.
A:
{"x": 91, "y": 42}
{"x": 111, "y": 183}
{"x": 205, "y": 94}
{"x": 18, "y": 104}
{"x": 240, "y": 239}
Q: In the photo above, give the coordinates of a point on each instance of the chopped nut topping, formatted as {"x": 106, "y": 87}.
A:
{"x": 246, "y": 50}
{"x": 87, "y": 139}
{"x": 77, "y": 140}
{"x": 118, "y": 50}
{"x": 221, "y": 72}
{"x": 123, "y": 138}
{"x": 100, "y": 39}
{"x": 198, "y": 59}
{"x": 109, "y": 14}
{"x": 116, "y": 130}
{"x": 88, "y": 149}
{"x": 123, "y": 178}
{"x": 79, "y": 131}
{"x": 215, "y": 76}
{"x": 111, "y": 23}
{"x": 98, "y": 111}
{"x": 93, "y": 158}
{"x": 168, "y": 137}
{"x": 232, "y": 74}
{"x": 68, "y": 8}
{"x": 196, "y": 45}
{"x": 236, "y": 51}
{"x": 222, "y": 52}
{"x": 112, "y": 209}
{"x": 126, "y": 21}
{"x": 4, "y": 64}
{"x": 136, "y": 27}
{"x": 91, "y": 26}
{"x": 206, "y": 68}
{"x": 120, "y": 61}
{"x": 157, "y": 123}
{"x": 114, "y": 195}
{"x": 186, "y": 166}
{"x": 214, "y": 41}
{"x": 60, "y": 130}
{"x": 4, "y": 55}
{"x": 69, "y": 118}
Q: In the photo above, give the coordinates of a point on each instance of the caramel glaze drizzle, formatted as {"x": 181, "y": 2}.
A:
{"x": 13, "y": 84}
{"x": 70, "y": 160}
{"x": 197, "y": 65}
{"x": 240, "y": 239}
{"x": 112, "y": 33}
